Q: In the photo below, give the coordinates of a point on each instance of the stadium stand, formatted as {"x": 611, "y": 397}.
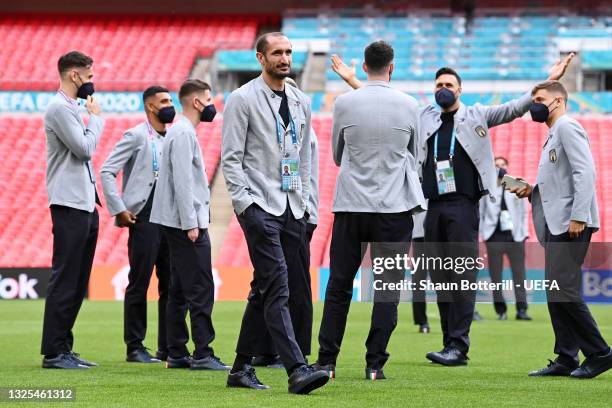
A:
{"x": 124, "y": 62}
{"x": 26, "y": 240}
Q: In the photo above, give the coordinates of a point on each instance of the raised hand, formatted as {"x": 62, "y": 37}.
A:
{"x": 348, "y": 74}
{"x": 557, "y": 71}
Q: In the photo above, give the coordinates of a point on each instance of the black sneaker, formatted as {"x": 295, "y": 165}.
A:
{"x": 208, "y": 363}
{"x": 141, "y": 356}
{"x": 448, "y": 357}
{"x": 181, "y": 362}
{"x": 245, "y": 378}
{"x": 77, "y": 358}
{"x": 593, "y": 366}
{"x": 330, "y": 369}
{"x": 305, "y": 379}
{"x": 522, "y": 315}
{"x": 424, "y": 328}
{"x": 553, "y": 369}
{"x": 161, "y": 355}
{"x": 502, "y": 316}
{"x": 372, "y": 374}
{"x": 63, "y": 361}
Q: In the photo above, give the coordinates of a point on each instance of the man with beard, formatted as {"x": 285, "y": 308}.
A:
{"x": 267, "y": 127}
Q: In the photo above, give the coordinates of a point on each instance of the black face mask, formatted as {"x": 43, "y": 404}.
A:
{"x": 208, "y": 114}
{"x": 501, "y": 173}
{"x": 539, "y": 112}
{"x": 445, "y": 98}
{"x": 166, "y": 114}
{"x": 85, "y": 90}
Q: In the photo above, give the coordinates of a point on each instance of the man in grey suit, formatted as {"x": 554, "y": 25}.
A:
{"x": 181, "y": 204}
{"x": 454, "y": 143}
{"x": 298, "y": 270}
{"x": 503, "y": 226}
{"x": 373, "y": 143}
{"x": 138, "y": 155}
{"x": 71, "y": 187}
{"x": 565, "y": 215}
{"x": 266, "y": 127}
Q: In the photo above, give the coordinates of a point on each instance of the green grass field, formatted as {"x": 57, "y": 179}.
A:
{"x": 502, "y": 354}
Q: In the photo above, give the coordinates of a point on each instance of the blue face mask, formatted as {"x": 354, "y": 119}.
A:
{"x": 208, "y": 114}
{"x": 445, "y": 98}
{"x": 539, "y": 112}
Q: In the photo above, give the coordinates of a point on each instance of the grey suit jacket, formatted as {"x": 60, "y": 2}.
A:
{"x": 250, "y": 153}
{"x": 133, "y": 155}
{"x": 490, "y": 210}
{"x": 313, "y": 199}
{"x": 373, "y": 142}
{"x": 182, "y": 196}
{"x": 70, "y": 147}
{"x": 471, "y": 127}
{"x": 565, "y": 184}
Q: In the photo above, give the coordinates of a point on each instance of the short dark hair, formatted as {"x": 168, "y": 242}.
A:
{"x": 378, "y": 56}
{"x": 191, "y": 86}
{"x": 261, "y": 44}
{"x": 73, "y": 59}
{"x": 551, "y": 86}
{"x": 448, "y": 71}
{"x": 152, "y": 91}
{"x": 501, "y": 158}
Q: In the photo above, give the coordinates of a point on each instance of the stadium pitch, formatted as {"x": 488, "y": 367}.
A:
{"x": 503, "y": 352}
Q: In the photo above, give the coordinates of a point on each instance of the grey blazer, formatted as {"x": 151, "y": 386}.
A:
{"x": 251, "y": 155}
{"x": 70, "y": 146}
{"x": 472, "y": 125}
{"x": 373, "y": 142}
{"x": 313, "y": 199}
{"x": 133, "y": 155}
{"x": 490, "y": 210}
{"x": 182, "y": 196}
{"x": 565, "y": 184}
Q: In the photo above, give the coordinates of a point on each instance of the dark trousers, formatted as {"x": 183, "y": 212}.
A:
{"x": 351, "y": 232}
{"x": 147, "y": 248}
{"x": 300, "y": 301}
{"x": 75, "y": 233}
{"x": 419, "y": 296}
{"x": 451, "y": 230}
{"x": 273, "y": 242}
{"x": 498, "y": 244}
{"x": 574, "y": 326}
{"x": 191, "y": 288}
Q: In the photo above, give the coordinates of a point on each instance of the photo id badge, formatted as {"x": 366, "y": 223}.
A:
{"x": 505, "y": 221}
{"x": 290, "y": 175}
{"x": 445, "y": 177}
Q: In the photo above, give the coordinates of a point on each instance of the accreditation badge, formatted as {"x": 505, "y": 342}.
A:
{"x": 505, "y": 221}
{"x": 445, "y": 177}
{"x": 290, "y": 175}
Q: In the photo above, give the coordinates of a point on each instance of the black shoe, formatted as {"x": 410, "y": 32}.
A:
{"x": 477, "y": 316}
{"x": 424, "y": 328}
{"x": 64, "y": 361}
{"x": 181, "y": 362}
{"x": 372, "y": 374}
{"x": 141, "y": 356}
{"x": 77, "y": 358}
{"x": 209, "y": 363}
{"x": 502, "y": 316}
{"x": 553, "y": 369}
{"x": 330, "y": 369}
{"x": 305, "y": 379}
{"x": 448, "y": 357}
{"x": 245, "y": 378}
{"x": 522, "y": 315}
{"x": 267, "y": 361}
{"x": 593, "y": 366}
{"x": 161, "y": 355}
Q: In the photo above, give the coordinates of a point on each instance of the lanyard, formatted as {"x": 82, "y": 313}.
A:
{"x": 451, "y": 153}
{"x": 280, "y": 132}
{"x": 154, "y": 150}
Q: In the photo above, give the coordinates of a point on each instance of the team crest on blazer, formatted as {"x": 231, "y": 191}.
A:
{"x": 480, "y": 131}
{"x": 552, "y": 156}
